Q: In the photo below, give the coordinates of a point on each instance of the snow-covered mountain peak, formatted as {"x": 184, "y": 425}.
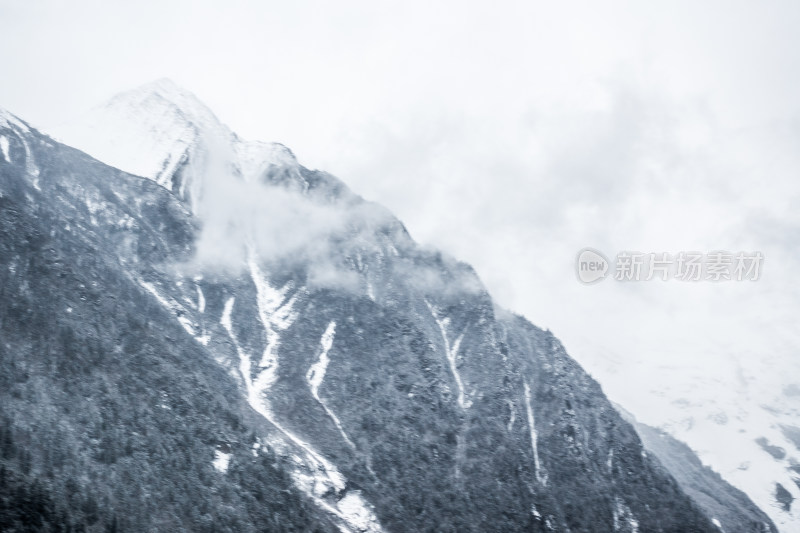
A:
{"x": 162, "y": 102}
{"x": 164, "y": 132}
{"x": 159, "y": 131}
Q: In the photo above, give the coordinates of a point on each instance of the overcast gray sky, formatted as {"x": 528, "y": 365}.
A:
{"x": 510, "y": 134}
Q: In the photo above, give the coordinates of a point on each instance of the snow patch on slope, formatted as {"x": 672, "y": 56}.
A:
{"x": 221, "y": 461}
{"x": 352, "y": 509}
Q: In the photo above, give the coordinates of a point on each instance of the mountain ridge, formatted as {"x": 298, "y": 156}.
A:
{"x": 392, "y": 394}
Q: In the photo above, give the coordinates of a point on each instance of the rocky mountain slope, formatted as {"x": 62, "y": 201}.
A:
{"x": 234, "y": 342}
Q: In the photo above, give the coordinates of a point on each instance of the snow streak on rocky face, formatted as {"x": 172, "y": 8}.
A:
{"x": 180, "y": 312}
{"x": 316, "y": 374}
{"x": 275, "y": 314}
{"x": 317, "y": 477}
{"x": 541, "y": 477}
{"x": 451, "y": 352}
{"x": 4, "y": 148}
{"x": 624, "y": 521}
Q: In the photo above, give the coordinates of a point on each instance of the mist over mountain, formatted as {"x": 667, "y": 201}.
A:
{"x": 197, "y": 333}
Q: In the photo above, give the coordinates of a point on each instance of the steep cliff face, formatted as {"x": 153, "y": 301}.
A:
{"x": 283, "y": 357}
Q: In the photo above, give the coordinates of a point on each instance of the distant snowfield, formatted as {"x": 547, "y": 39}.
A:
{"x": 722, "y": 417}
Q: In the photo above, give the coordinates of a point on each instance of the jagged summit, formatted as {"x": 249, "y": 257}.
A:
{"x": 164, "y": 132}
